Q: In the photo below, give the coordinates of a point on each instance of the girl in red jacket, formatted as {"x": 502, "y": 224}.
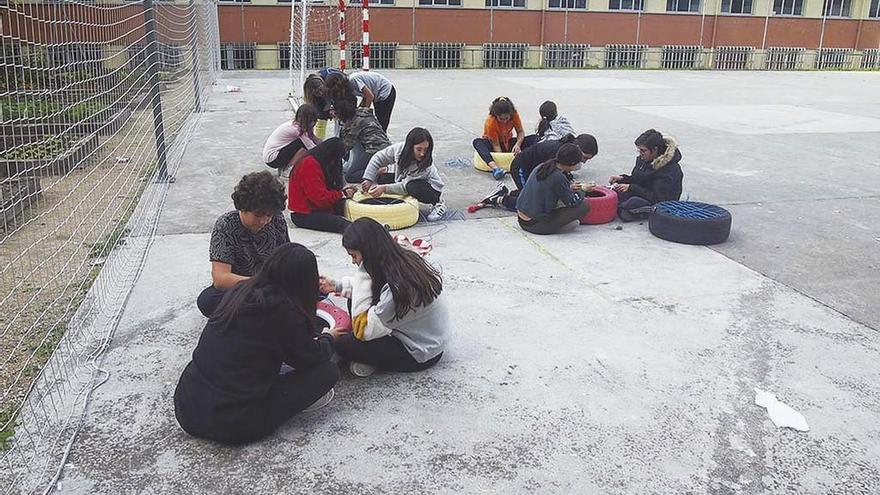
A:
{"x": 316, "y": 196}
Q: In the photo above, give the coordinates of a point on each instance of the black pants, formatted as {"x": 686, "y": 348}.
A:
{"x": 386, "y": 353}
{"x": 209, "y": 299}
{"x": 286, "y": 153}
{"x": 383, "y": 109}
{"x": 557, "y": 219}
{"x": 484, "y": 146}
{"x": 289, "y": 394}
{"x": 421, "y": 190}
{"x": 322, "y": 220}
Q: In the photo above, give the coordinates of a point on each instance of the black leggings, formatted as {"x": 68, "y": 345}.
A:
{"x": 290, "y": 394}
{"x": 383, "y": 109}
{"x": 557, "y": 219}
{"x": 386, "y": 353}
{"x": 322, "y": 220}
{"x": 421, "y": 190}
{"x": 209, "y": 299}
{"x": 286, "y": 153}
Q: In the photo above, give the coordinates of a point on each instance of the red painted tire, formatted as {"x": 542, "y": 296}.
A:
{"x": 333, "y": 315}
{"x": 603, "y": 206}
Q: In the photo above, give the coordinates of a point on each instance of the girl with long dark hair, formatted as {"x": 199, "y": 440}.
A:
{"x": 232, "y": 392}
{"x": 408, "y": 324}
{"x": 552, "y": 126}
{"x": 414, "y": 172}
{"x": 317, "y": 191}
{"x": 548, "y": 185}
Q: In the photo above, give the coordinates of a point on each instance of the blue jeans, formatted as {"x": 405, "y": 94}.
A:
{"x": 356, "y": 165}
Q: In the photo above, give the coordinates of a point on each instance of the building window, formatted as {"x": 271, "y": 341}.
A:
{"x": 440, "y": 55}
{"x": 833, "y": 58}
{"x": 316, "y": 55}
{"x": 382, "y": 55}
{"x": 625, "y": 56}
{"x": 568, "y": 4}
{"x": 871, "y": 58}
{"x": 784, "y": 58}
{"x": 837, "y": 8}
{"x": 874, "y": 11}
{"x": 505, "y": 3}
{"x": 788, "y": 7}
{"x": 737, "y": 6}
{"x": 626, "y": 4}
{"x": 504, "y": 55}
{"x": 234, "y": 1}
{"x": 237, "y": 55}
{"x": 682, "y": 5}
{"x": 76, "y": 56}
{"x": 681, "y": 56}
{"x": 440, "y": 3}
{"x": 568, "y": 56}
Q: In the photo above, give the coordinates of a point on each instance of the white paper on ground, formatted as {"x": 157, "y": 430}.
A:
{"x": 780, "y": 413}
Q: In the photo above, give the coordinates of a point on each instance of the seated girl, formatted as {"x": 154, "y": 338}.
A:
{"x": 498, "y": 134}
{"x": 231, "y": 391}
{"x": 408, "y": 323}
{"x": 290, "y": 141}
{"x": 552, "y": 125}
{"x": 363, "y": 137}
{"x": 656, "y": 176}
{"x": 244, "y": 238}
{"x": 415, "y": 173}
{"x": 316, "y": 189}
{"x": 548, "y": 185}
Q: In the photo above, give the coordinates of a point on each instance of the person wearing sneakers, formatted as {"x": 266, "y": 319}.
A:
{"x": 414, "y": 172}
{"x": 538, "y": 203}
{"x": 531, "y": 157}
{"x": 498, "y": 134}
{"x": 408, "y": 323}
{"x": 234, "y": 391}
{"x": 656, "y": 177}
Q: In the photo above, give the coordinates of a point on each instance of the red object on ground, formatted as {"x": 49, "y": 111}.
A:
{"x": 340, "y": 318}
{"x": 603, "y": 206}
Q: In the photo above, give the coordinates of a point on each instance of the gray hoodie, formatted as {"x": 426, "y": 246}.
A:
{"x": 389, "y": 158}
{"x": 559, "y": 127}
{"x": 424, "y": 331}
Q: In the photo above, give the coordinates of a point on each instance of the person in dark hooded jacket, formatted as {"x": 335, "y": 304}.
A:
{"x": 656, "y": 176}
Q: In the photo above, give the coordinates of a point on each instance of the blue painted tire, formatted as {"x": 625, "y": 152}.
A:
{"x": 690, "y": 222}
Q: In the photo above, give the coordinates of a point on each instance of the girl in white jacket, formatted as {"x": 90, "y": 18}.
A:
{"x": 414, "y": 172}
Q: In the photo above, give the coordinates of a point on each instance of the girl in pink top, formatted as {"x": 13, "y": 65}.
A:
{"x": 291, "y": 140}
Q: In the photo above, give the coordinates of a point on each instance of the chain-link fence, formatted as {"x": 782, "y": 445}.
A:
{"x": 97, "y": 102}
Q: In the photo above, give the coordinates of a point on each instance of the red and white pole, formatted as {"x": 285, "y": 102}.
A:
{"x": 342, "y": 44}
{"x": 366, "y": 41}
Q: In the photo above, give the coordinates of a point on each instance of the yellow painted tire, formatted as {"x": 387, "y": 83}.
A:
{"x": 395, "y": 216}
{"x": 503, "y": 160}
{"x": 320, "y": 128}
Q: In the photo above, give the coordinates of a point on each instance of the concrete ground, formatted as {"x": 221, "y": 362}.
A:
{"x": 602, "y": 360}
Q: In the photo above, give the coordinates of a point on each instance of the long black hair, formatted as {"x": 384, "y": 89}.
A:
{"x": 413, "y": 282}
{"x": 416, "y": 136}
{"x": 568, "y": 154}
{"x": 548, "y": 112}
{"x": 290, "y": 274}
{"x": 306, "y": 117}
{"x": 329, "y": 154}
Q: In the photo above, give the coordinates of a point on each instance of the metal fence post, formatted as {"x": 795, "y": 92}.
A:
{"x": 154, "y": 93}
{"x": 195, "y": 57}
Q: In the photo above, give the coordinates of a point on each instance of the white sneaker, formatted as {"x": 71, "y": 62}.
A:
{"x": 360, "y": 369}
{"x": 437, "y": 212}
{"x": 323, "y": 401}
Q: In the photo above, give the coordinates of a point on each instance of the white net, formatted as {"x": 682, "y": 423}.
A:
{"x": 97, "y": 102}
{"x": 315, "y": 40}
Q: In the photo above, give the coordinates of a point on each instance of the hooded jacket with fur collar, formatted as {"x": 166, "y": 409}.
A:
{"x": 660, "y": 179}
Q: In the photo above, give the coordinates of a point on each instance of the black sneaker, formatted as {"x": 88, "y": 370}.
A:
{"x": 500, "y": 191}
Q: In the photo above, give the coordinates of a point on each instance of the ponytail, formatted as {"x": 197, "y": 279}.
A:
{"x": 548, "y": 113}
{"x": 545, "y": 169}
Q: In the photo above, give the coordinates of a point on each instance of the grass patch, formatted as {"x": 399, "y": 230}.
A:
{"x": 6, "y": 431}
{"x": 110, "y": 241}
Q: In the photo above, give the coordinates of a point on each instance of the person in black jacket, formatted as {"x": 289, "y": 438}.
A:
{"x": 534, "y": 155}
{"x": 232, "y": 392}
{"x": 656, "y": 176}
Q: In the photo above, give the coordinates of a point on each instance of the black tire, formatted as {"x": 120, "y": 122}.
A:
{"x": 689, "y": 222}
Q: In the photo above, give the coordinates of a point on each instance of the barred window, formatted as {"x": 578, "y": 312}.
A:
{"x": 837, "y": 8}
{"x": 441, "y": 3}
{"x": 568, "y": 4}
{"x": 237, "y": 55}
{"x": 626, "y": 4}
{"x": 788, "y": 7}
{"x": 874, "y": 11}
{"x": 682, "y": 5}
{"x": 505, "y": 3}
{"x": 737, "y": 6}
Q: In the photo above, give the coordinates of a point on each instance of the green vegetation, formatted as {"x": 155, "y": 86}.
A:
{"x": 46, "y": 149}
